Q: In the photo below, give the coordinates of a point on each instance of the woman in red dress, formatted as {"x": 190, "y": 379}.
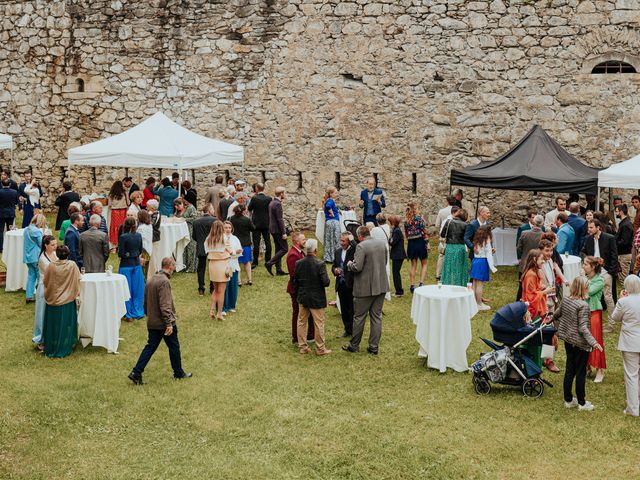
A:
{"x": 592, "y": 267}
{"x": 147, "y": 192}
{"x": 118, "y": 205}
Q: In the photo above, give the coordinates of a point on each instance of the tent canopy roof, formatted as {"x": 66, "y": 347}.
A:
{"x": 157, "y": 142}
{"x": 536, "y": 163}
{"x": 621, "y": 175}
{"x": 6, "y": 142}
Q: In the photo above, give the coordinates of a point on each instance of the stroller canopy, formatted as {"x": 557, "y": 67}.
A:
{"x": 510, "y": 317}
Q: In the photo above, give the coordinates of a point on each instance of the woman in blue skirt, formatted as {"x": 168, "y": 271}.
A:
{"x": 482, "y": 263}
{"x": 129, "y": 251}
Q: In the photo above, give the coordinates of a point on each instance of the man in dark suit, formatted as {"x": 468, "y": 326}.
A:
{"x": 278, "y": 232}
{"x": 483, "y": 217}
{"x": 370, "y": 285}
{"x": 8, "y": 201}
{"x": 603, "y": 245}
{"x": 201, "y": 229}
{"x": 579, "y": 227}
{"x": 344, "y": 280}
{"x": 259, "y": 208}
{"x": 311, "y": 279}
{"x": 129, "y": 187}
{"x": 296, "y": 252}
{"x": 72, "y": 238}
{"x": 94, "y": 246}
{"x": 66, "y": 198}
{"x": 624, "y": 239}
{"x": 6, "y": 175}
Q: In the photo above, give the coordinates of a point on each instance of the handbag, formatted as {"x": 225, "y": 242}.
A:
{"x": 547, "y": 351}
{"x": 442, "y": 242}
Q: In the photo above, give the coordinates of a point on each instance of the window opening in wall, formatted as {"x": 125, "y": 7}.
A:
{"x": 80, "y": 84}
{"x": 299, "y": 180}
{"x": 613, "y": 66}
{"x": 193, "y": 177}
{"x": 227, "y": 175}
{"x": 159, "y": 174}
{"x": 414, "y": 183}
{"x": 263, "y": 177}
{"x": 126, "y": 172}
{"x": 63, "y": 173}
{"x": 93, "y": 175}
{"x": 375, "y": 179}
{"x": 337, "y": 182}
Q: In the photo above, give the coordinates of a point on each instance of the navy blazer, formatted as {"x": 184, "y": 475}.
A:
{"x": 396, "y": 243}
{"x": 130, "y": 249}
{"x": 579, "y": 226}
{"x": 469, "y": 232}
{"x": 377, "y": 207}
{"x": 8, "y": 201}
{"x": 72, "y": 241}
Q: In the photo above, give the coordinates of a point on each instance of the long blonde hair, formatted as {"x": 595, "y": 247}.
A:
{"x": 327, "y": 194}
{"x": 579, "y": 289}
{"x": 40, "y": 221}
{"x": 411, "y": 211}
{"x": 216, "y": 234}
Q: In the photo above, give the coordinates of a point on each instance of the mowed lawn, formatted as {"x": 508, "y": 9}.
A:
{"x": 255, "y": 408}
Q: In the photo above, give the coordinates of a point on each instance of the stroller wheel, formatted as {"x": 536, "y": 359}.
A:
{"x": 481, "y": 385}
{"x": 532, "y": 388}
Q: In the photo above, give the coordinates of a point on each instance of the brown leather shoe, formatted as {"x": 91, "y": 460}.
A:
{"x": 549, "y": 365}
{"x": 304, "y": 350}
{"x": 326, "y": 351}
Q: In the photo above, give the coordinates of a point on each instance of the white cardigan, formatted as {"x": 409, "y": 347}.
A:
{"x": 485, "y": 252}
{"x": 627, "y": 312}
{"x": 33, "y": 193}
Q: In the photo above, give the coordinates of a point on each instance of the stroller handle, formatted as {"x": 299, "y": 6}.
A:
{"x": 531, "y": 335}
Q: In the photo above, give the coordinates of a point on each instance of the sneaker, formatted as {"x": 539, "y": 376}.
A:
{"x": 304, "y": 350}
{"x": 587, "y": 407}
{"x": 224, "y": 314}
{"x": 572, "y": 403}
{"x": 321, "y": 353}
{"x": 232, "y": 310}
{"x": 483, "y": 308}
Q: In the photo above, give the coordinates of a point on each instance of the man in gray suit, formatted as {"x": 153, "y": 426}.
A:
{"x": 94, "y": 246}
{"x": 370, "y": 284}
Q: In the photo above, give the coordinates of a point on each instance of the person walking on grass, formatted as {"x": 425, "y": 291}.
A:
{"x": 311, "y": 279}
{"x": 482, "y": 263}
{"x": 161, "y": 323}
{"x": 572, "y": 320}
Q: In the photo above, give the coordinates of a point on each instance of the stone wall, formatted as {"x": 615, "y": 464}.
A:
{"x": 392, "y": 87}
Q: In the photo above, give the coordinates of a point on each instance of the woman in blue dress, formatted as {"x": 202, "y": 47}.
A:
{"x": 167, "y": 194}
{"x": 332, "y": 224}
{"x": 129, "y": 251}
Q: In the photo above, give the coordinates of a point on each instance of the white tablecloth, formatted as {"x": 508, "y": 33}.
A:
{"x": 173, "y": 238}
{"x": 320, "y": 221}
{"x": 102, "y": 305}
{"x": 504, "y": 241}
{"x": 106, "y": 213}
{"x": 12, "y": 254}
{"x": 571, "y": 266}
{"x": 443, "y": 325}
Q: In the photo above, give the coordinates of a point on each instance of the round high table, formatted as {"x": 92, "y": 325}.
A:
{"x": 504, "y": 241}
{"x": 174, "y": 237}
{"x": 12, "y": 254}
{"x": 102, "y": 305}
{"x": 571, "y": 266}
{"x": 342, "y": 216}
{"x": 442, "y": 316}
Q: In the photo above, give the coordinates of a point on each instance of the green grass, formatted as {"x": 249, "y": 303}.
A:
{"x": 255, "y": 408}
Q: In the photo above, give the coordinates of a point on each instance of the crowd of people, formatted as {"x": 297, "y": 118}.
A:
{"x": 236, "y": 227}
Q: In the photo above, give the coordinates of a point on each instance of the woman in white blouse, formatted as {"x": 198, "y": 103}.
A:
{"x": 146, "y": 230}
{"x": 627, "y": 311}
{"x": 47, "y": 255}
{"x": 136, "y": 199}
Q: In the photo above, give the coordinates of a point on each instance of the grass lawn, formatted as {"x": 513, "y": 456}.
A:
{"x": 255, "y": 408}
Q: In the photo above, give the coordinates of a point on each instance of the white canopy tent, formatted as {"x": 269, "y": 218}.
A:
{"x": 621, "y": 175}
{"x": 6, "y": 142}
{"x": 157, "y": 142}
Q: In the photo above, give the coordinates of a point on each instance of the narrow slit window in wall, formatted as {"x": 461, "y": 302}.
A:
{"x": 299, "y": 180}
{"x": 414, "y": 183}
{"x": 263, "y": 177}
{"x": 337, "y": 181}
{"x": 227, "y": 175}
{"x": 80, "y": 85}
{"x": 375, "y": 179}
{"x": 93, "y": 174}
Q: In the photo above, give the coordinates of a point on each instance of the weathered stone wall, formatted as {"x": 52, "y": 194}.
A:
{"x": 393, "y": 87}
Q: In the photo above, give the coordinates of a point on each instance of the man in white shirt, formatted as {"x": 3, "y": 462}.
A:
{"x": 444, "y": 214}
{"x": 550, "y": 218}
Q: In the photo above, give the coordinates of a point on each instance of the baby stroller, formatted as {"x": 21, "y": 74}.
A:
{"x": 351, "y": 226}
{"x": 511, "y": 363}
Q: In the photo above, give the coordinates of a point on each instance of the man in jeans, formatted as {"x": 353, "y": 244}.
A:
{"x": 161, "y": 323}
{"x": 603, "y": 245}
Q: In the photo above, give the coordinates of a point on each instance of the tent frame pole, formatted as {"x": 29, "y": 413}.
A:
{"x": 477, "y": 202}
{"x": 598, "y": 199}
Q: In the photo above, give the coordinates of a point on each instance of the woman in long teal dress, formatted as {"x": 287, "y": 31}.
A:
{"x": 61, "y": 288}
{"x": 455, "y": 270}
{"x": 184, "y": 209}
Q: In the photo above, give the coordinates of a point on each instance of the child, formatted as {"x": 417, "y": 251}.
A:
{"x": 573, "y": 314}
{"x": 482, "y": 262}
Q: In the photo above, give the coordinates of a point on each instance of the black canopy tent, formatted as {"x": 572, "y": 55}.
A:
{"x": 536, "y": 163}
